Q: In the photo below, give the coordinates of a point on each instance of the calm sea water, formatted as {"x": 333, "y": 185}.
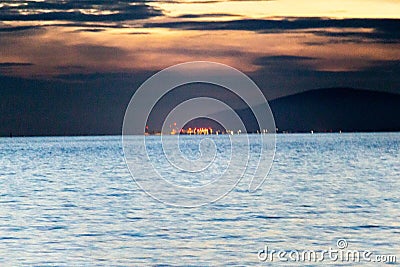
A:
{"x": 71, "y": 201}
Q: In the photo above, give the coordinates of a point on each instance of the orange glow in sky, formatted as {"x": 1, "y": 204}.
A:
{"x": 262, "y": 37}
{"x": 288, "y": 8}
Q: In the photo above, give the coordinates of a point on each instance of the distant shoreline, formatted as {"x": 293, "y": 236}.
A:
{"x": 115, "y": 135}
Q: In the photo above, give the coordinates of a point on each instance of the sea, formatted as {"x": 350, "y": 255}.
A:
{"x": 71, "y": 201}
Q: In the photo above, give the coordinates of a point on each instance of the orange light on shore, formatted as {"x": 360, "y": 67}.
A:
{"x": 197, "y": 131}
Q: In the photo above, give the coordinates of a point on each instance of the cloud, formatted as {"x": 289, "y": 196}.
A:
{"x": 86, "y": 27}
{"x": 280, "y": 58}
{"x": 17, "y": 28}
{"x": 90, "y": 30}
{"x": 8, "y": 68}
{"x": 14, "y": 64}
{"x": 77, "y": 11}
{"x": 383, "y": 30}
{"x": 378, "y": 35}
{"x": 211, "y": 15}
{"x": 390, "y": 68}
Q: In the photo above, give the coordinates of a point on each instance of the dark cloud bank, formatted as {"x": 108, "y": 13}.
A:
{"x": 72, "y": 11}
{"x": 384, "y": 30}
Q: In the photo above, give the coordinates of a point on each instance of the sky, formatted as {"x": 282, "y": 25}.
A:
{"x": 281, "y": 44}
{"x": 286, "y": 46}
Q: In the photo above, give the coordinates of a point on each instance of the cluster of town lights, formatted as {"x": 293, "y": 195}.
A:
{"x": 173, "y": 130}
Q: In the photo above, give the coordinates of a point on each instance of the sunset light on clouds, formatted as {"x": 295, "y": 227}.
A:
{"x": 52, "y": 40}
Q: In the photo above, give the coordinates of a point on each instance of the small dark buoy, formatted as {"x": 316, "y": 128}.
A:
{"x": 10, "y": 134}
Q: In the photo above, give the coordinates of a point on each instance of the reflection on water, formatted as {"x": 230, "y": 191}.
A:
{"x": 71, "y": 200}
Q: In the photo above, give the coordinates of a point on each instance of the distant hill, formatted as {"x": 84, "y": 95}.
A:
{"x": 331, "y": 110}
{"x": 337, "y": 109}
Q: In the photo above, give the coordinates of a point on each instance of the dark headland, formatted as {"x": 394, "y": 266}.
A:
{"x": 338, "y": 109}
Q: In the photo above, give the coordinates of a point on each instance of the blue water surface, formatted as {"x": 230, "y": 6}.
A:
{"x": 70, "y": 201}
